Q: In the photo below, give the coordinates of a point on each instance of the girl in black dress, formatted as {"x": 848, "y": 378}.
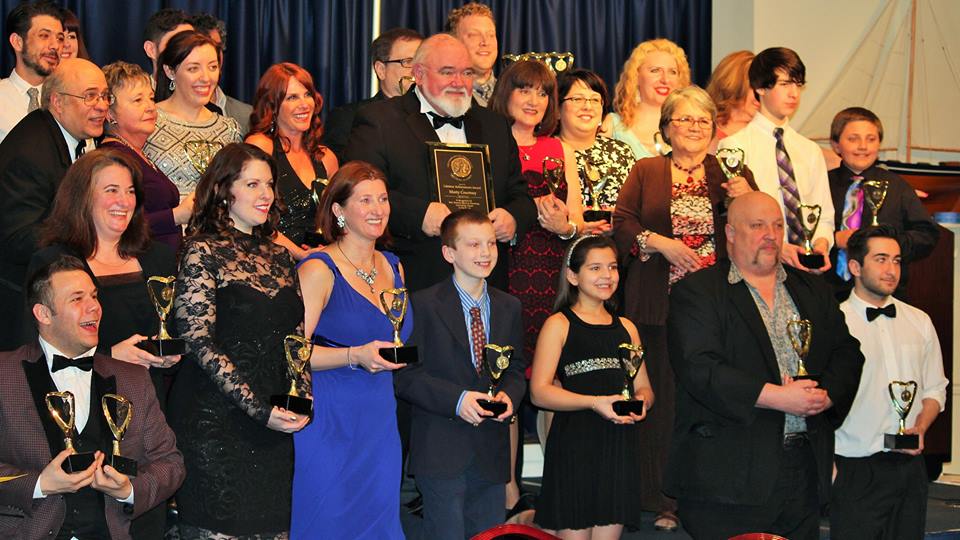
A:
{"x": 591, "y": 478}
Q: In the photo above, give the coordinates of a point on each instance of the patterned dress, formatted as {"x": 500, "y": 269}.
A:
{"x": 237, "y": 297}
{"x": 692, "y": 216}
{"x": 535, "y": 259}
{"x": 167, "y": 146}
{"x": 613, "y": 159}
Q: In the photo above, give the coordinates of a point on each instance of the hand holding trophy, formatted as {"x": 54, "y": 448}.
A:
{"x": 396, "y": 309}
{"x": 801, "y": 333}
{"x": 118, "y": 412}
{"x": 631, "y": 358}
{"x": 809, "y": 216}
{"x": 62, "y": 408}
{"x": 553, "y": 171}
{"x": 297, "y": 350}
{"x": 595, "y": 187}
{"x": 494, "y": 366}
{"x": 902, "y": 403}
{"x": 161, "y": 294}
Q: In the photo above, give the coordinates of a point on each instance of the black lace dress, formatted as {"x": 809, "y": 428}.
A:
{"x": 237, "y": 297}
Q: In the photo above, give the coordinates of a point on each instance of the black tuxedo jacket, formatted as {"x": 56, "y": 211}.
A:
{"x": 725, "y": 449}
{"x": 441, "y": 443}
{"x": 28, "y": 444}
{"x": 392, "y": 135}
{"x": 336, "y": 130}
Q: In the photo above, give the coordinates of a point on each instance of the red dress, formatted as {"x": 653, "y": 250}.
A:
{"x": 535, "y": 260}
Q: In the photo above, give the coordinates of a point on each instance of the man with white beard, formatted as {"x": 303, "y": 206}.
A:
{"x": 393, "y": 136}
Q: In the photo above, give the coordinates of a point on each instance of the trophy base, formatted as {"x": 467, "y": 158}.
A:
{"x": 407, "y": 354}
{"x": 314, "y": 239}
{"x": 294, "y": 404}
{"x": 894, "y": 441}
{"x": 163, "y": 347}
{"x": 807, "y": 378}
{"x": 624, "y": 407}
{"x": 597, "y": 215}
{"x": 123, "y": 465}
{"x": 812, "y": 261}
{"x": 78, "y": 462}
{"x": 496, "y": 407}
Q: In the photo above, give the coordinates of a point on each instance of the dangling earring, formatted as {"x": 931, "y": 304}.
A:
{"x": 341, "y": 221}
{"x": 172, "y": 86}
{"x": 273, "y": 126}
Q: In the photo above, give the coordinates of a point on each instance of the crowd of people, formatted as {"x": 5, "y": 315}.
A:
{"x": 663, "y": 222}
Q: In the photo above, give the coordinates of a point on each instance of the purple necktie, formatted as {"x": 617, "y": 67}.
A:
{"x": 788, "y": 189}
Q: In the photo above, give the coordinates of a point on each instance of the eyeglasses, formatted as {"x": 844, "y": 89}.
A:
{"x": 469, "y": 73}
{"x": 405, "y": 62}
{"x": 579, "y": 101}
{"x": 688, "y": 122}
{"x": 90, "y": 98}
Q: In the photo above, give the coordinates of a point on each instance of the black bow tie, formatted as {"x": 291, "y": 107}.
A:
{"x": 439, "y": 121}
{"x": 81, "y": 148}
{"x": 62, "y": 362}
{"x": 889, "y": 311}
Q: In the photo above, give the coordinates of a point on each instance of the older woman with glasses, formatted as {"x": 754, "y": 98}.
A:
{"x": 669, "y": 222}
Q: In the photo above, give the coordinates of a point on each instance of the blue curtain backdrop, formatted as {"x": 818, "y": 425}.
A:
{"x": 331, "y": 38}
{"x": 600, "y": 33}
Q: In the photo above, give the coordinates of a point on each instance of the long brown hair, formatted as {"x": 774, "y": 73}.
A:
{"x": 271, "y": 91}
{"x": 211, "y": 206}
{"x": 339, "y": 190}
{"x": 70, "y": 223}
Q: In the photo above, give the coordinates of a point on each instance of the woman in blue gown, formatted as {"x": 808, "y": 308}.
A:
{"x": 346, "y": 481}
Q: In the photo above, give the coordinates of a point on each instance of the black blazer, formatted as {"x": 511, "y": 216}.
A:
{"x": 391, "y": 135}
{"x": 441, "y": 443}
{"x": 336, "y": 130}
{"x": 902, "y": 209}
{"x": 725, "y": 449}
{"x": 33, "y": 159}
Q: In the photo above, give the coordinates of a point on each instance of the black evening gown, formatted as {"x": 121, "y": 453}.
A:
{"x": 238, "y": 296}
{"x": 591, "y": 475}
{"x": 300, "y": 216}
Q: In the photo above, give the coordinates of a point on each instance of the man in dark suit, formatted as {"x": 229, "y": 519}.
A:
{"x": 751, "y": 444}
{"x": 39, "y": 498}
{"x": 392, "y": 57}
{"x": 33, "y": 159}
{"x": 392, "y": 135}
{"x": 459, "y": 452}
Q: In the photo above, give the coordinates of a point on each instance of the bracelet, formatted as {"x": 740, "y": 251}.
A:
{"x": 571, "y": 234}
{"x": 350, "y": 364}
{"x": 643, "y": 255}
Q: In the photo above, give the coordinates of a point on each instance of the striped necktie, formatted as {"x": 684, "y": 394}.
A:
{"x": 788, "y": 190}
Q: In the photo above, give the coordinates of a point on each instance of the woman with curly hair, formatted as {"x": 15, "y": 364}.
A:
{"x": 286, "y": 124}
{"x": 655, "y": 68}
{"x": 237, "y": 298}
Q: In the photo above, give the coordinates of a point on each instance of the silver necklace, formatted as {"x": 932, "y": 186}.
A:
{"x": 367, "y": 277}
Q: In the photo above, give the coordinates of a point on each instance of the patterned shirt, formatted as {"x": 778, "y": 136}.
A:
{"x": 784, "y": 310}
{"x": 613, "y": 160}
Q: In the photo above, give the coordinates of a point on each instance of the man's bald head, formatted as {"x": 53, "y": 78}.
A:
{"x": 63, "y": 95}
{"x": 754, "y": 232}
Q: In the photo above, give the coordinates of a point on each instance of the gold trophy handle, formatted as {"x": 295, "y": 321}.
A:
{"x": 395, "y": 310}
{"x": 118, "y": 430}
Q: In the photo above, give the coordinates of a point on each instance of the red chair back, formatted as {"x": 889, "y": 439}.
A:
{"x": 757, "y": 536}
{"x": 513, "y": 531}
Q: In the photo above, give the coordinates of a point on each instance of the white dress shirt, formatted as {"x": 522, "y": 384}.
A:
{"x": 904, "y": 348}
{"x": 760, "y": 150}
{"x": 13, "y": 96}
{"x": 447, "y": 133}
{"x": 72, "y": 142}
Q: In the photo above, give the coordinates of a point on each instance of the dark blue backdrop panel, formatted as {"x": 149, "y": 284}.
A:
{"x": 331, "y": 39}
{"x": 600, "y": 33}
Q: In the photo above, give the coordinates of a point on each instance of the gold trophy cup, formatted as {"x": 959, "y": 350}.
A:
{"x": 809, "y": 216}
{"x": 200, "y": 153}
{"x": 297, "y": 350}
{"x": 494, "y": 366}
{"x": 396, "y": 310}
{"x": 161, "y": 294}
{"x": 595, "y": 186}
{"x": 553, "y": 170}
{"x": 875, "y": 193}
{"x": 902, "y": 403}
{"x": 631, "y": 358}
{"x": 62, "y": 408}
{"x": 118, "y": 412}
{"x": 801, "y": 333}
{"x": 405, "y": 83}
{"x": 314, "y": 238}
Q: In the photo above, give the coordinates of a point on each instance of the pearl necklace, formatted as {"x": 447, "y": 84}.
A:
{"x": 367, "y": 277}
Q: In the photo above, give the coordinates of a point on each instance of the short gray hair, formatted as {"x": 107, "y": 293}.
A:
{"x": 691, "y": 94}
{"x": 53, "y": 84}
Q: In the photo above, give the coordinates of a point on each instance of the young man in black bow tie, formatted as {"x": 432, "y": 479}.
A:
{"x": 39, "y": 498}
{"x": 879, "y": 493}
